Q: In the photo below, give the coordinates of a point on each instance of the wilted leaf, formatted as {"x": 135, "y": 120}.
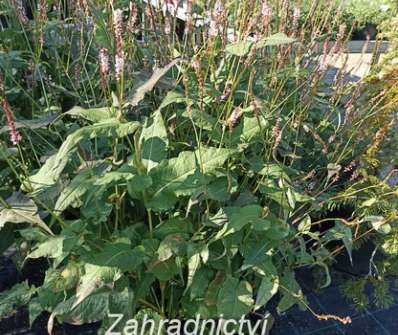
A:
{"x": 95, "y": 277}
{"x": 150, "y": 84}
{"x": 96, "y": 307}
{"x": 378, "y": 223}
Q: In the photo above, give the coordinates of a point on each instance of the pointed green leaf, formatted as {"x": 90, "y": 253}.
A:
{"x": 154, "y": 141}
{"x": 235, "y": 298}
{"x": 241, "y": 48}
{"x": 275, "y": 40}
{"x": 180, "y": 176}
{"x": 118, "y": 255}
{"x": 91, "y": 114}
{"x": 50, "y": 172}
{"x": 268, "y": 288}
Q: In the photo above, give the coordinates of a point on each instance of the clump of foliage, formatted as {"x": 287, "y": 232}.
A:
{"x": 375, "y": 196}
{"x": 194, "y": 173}
{"x": 371, "y": 11}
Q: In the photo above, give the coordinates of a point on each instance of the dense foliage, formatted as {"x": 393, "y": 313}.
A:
{"x": 184, "y": 168}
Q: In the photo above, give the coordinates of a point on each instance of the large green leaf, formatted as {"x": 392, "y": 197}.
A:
{"x": 171, "y": 98}
{"x": 165, "y": 271}
{"x": 21, "y": 209}
{"x": 72, "y": 194}
{"x": 252, "y": 128}
{"x": 235, "y": 298}
{"x": 201, "y": 119}
{"x": 238, "y": 218}
{"x": 180, "y": 176}
{"x": 51, "y": 248}
{"x": 200, "y": 282}
{"x": 268, "y": 288}
{"x": 96, "y": 307}
{"x": 241, "y": 48}
{"x": 52, "y": 169}
{"x": 275, "y": 40}
{"x": 255, "y": 253}
{"x": 154, "y": 141}
{"x": 91, "y": 114}
{"x": 291, "y": 292}
{"x": 118, "y": 255}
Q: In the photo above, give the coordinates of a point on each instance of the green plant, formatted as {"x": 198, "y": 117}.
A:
{"x": 374, "y": 196}
{"x": 374, "y": 11}
{"x": 193, "y": 178}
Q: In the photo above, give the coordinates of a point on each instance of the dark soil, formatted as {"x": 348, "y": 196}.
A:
{"x": 369, "y": 31}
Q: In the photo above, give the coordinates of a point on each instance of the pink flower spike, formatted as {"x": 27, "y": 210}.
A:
{"x": 15, "y": 136}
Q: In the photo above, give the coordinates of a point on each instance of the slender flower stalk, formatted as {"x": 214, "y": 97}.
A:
{"x": 20, "y": 11}
{"x": 133, "y": 17}
{"x": 198, "y": 72}
{"x": 234, "y": 118}
{"x": 118, "y": 32}
{"x": 266, "y": 13}
{"x": 15, "y": 136}
{"x": 216, "y": 17}
{"x": 151, "y": 16}
{"x": 284, "y": 16}
{"x": 167, "y": 25}
{"x": 296, "y": 18}
{"x": 189, "y": 22}
{"x": 104, "y": 67}
{"x": 339, "y": 39}
{"x": 41, "y": 20}
{"x": 227, "y": 90}
{"x": 84, "y": 6}
{"x": 277, "y": 135}
{"x": 323, "y": 65}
